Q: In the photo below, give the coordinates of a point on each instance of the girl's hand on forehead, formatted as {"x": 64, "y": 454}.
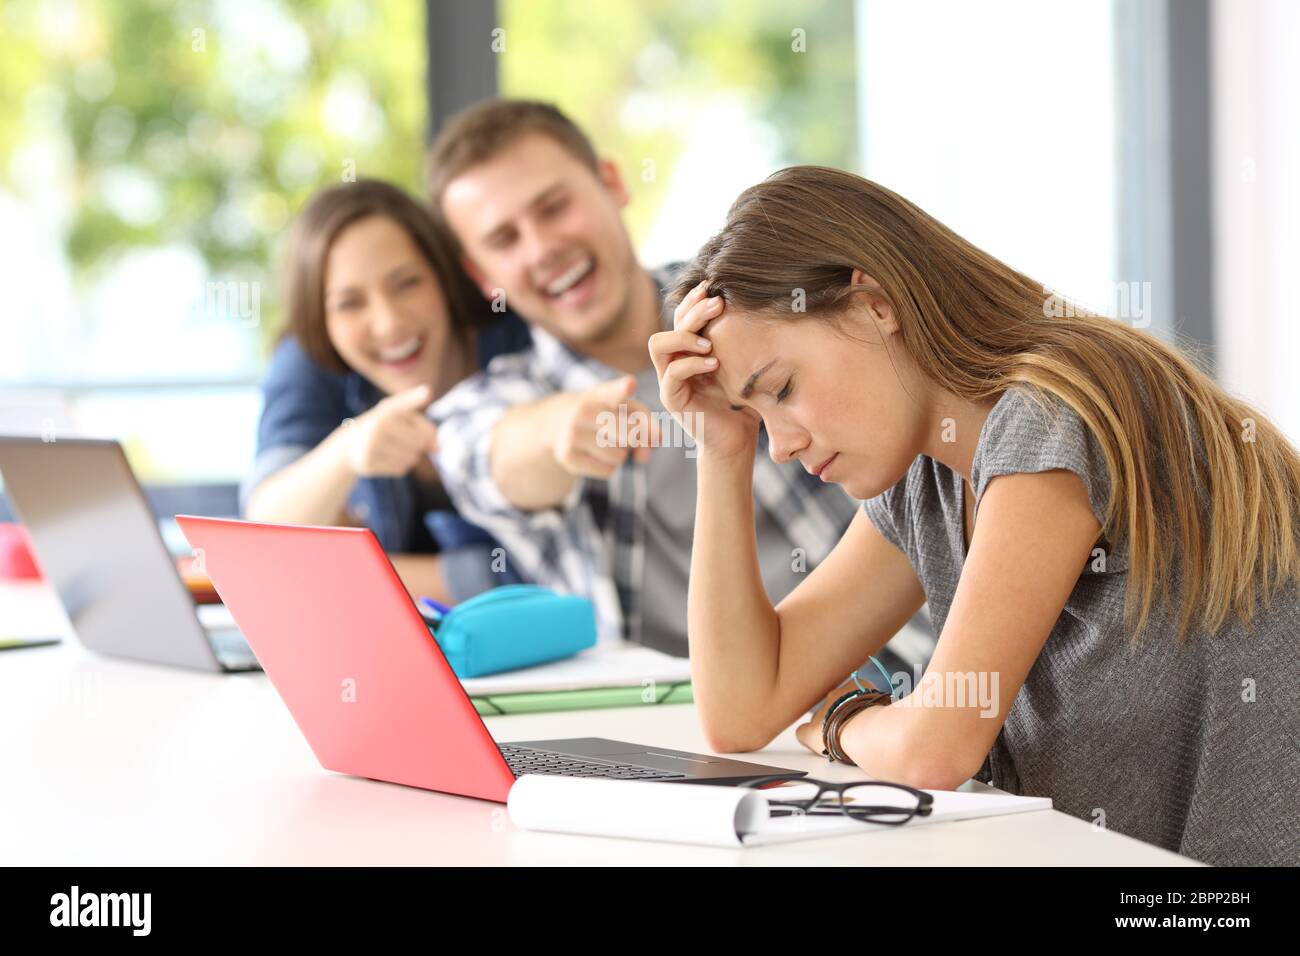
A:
{"x": 688, "y": 384}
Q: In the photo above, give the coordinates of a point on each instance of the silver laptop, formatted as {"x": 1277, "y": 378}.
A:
{"x": 98, "y": 545}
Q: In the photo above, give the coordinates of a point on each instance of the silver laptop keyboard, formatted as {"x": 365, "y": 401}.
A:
{"x": 522, "y": 760}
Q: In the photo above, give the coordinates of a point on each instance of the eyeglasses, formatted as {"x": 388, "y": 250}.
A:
{"x": 870, "y": 801}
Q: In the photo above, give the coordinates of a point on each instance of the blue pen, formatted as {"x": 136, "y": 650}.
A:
{"x": 434, "y": 609}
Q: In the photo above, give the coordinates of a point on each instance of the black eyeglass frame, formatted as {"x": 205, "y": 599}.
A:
{"x": 808, "y": 805}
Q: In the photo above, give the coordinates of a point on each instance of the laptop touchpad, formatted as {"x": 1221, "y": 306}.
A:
{"x": 620, "y": 749}
{"x": 663, "y": 758}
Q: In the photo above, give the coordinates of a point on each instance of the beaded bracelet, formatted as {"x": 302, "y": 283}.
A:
{"x": 845, "y": 707}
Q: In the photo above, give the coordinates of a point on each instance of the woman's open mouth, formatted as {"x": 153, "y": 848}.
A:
{"x": 402, "y": 355}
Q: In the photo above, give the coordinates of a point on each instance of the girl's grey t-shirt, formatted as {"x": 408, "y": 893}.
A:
{"x": 1194, "y": 747}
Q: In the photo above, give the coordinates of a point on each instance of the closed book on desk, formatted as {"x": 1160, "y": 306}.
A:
{"x": 712, "y": 815}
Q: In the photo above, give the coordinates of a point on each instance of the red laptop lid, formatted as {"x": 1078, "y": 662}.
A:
{"x": 346, "y": 649}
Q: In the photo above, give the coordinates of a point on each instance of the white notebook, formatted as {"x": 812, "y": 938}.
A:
{"x": 711, "y": 815}
{"x": 627, "y": 665}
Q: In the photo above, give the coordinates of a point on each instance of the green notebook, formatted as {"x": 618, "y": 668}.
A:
{"x": 14, "y": 643}
{"x": 537, "y": 702}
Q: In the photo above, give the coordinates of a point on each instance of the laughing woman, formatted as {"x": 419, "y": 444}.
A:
{"x": 380, "y": 322}
{"x": 1107, "y": 541}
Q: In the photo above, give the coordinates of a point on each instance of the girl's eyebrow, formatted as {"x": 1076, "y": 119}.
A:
{"x": 392, "y": 273}
{"x": 339, "y": 292}
{"x": 748, "y": 388}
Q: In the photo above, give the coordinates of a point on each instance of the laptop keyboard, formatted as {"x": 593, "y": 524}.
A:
{"x": 232, "y": 650}
{"x": 522, "y": 760}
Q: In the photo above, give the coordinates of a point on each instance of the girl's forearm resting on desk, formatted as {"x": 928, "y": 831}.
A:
{"x": 1034, "y": 533}
{"x": 900, "y": 743}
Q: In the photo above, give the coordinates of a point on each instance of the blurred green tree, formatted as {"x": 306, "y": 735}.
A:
{"x": 790, "y": 63}
{"x": 207, "y": 123}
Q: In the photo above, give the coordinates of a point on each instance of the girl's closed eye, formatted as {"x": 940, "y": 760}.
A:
{"x": 782, "y": 395}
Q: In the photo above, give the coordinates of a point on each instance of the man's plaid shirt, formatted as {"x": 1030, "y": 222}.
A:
{"x": 593, "y": 544}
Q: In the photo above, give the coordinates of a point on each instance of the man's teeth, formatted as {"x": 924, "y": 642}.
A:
{"x": 399, "y": 352}
{"x": 571, "y": 278}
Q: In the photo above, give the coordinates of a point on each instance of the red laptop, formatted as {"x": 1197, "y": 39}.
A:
{"x": 345, "y": 647}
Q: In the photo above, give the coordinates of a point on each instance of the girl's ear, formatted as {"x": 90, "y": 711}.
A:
{"x": 877, "y": 303}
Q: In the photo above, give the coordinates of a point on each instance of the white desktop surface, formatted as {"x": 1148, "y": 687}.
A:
{"x": 110, "y": 762}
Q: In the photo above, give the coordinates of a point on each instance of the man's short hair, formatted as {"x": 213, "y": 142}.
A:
{"x": 480, "y": 132}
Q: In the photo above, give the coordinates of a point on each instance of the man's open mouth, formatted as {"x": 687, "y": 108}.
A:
{"x": 573, "y": 281}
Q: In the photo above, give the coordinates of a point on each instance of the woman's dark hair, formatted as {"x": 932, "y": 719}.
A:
{"x": 328, "y": 213}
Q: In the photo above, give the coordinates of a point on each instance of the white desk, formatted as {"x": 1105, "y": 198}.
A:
{"x": 109, "y": 762}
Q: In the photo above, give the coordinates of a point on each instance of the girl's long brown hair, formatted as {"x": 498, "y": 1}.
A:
{"x": 1171, "y": 437}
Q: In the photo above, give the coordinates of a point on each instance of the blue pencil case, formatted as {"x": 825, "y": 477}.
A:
{"x": 518, "y": 625}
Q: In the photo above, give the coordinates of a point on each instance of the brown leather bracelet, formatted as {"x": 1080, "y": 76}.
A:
{"x": 832, "y": 727}
{"x": 835, "y": 725}
{"x": 839, "y": 714}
